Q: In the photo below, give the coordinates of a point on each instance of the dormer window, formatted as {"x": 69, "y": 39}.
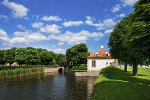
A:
{"x": 97, "y": 54}
{"x": 106, "y": 54}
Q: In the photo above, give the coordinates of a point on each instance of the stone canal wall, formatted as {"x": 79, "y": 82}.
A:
{"x": 82, "y": 73}
{"x": 57, "y": 69}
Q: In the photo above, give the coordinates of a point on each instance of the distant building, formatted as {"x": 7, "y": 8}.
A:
{"x": 100, "y": 59}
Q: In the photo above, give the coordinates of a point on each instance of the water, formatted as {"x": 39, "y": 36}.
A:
{"x": 48, "y": 86}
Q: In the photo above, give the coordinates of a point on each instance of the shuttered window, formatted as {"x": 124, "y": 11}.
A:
{"x": 93, "y": 63}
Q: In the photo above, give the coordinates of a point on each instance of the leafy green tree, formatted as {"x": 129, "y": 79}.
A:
{"x": 2, "y": 57}
{"x": 46, "y": 57}
{"x": 32, "y": 56}
{"x": 117, "y": 40}
{"x": 20, "y": 55}
{"x": 40, "y": 50}
{"x": 9, "y": 55}
{"x": 77, "y": 54}
{"x": 60, "y": 59}
{"x": 136, "y": 36}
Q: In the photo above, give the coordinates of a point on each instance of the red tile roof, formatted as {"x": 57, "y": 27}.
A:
{"x": 101, "y": 54}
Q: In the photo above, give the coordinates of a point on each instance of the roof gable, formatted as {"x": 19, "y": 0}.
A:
{"x": 101, "y": 54}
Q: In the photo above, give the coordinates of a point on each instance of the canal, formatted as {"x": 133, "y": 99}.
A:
{"x": 46, "y": 86}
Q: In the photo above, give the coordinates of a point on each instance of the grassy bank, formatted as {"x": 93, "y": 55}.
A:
{"x": 25, "y": 66}
{"x": 20, "y": 72}
{"x": 114, "y": 84}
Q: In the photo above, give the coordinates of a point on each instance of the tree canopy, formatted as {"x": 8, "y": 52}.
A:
{"x": 129, "y": 41}
{"x": 77, "y": 54}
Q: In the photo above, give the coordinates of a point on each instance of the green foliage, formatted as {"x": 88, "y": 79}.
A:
{"x": 19, "y": 72}
{"x": 2, "y": 57}
{"x": 126, "y": 87}
{"x": 32, "y": 56}
{"x": 29, "y": 66}
{"x": 46, "y": 57}
{"x": 129, "y": 41}
{"x": 60, "y": 59}
{"x": 20, "y": 55}
{"x": 80, "y": 67}
{"x": 9, "y": 55}
{"x": 77, "y": 54}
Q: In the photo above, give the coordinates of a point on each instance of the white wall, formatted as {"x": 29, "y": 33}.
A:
{"x": 101, "y": 63}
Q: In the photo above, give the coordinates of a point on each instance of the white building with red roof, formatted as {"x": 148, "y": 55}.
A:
{"x": 100, "y": 59}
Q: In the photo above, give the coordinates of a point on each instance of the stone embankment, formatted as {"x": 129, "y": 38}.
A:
{"x": 82, "y": 73}
{"x": 57, "y": 69}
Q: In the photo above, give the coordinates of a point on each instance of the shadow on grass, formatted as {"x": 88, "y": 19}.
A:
{"x": 118, "y": 74}
{"x": 114, "y": 84}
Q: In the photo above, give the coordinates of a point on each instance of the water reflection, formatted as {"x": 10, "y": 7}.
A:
{"x": 46, "y": 86}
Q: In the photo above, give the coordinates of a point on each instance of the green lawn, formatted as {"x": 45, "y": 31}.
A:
{"x": 114, "y": 84}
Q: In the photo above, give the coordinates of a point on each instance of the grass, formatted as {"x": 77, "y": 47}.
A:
{"x": 114, "y": 84}
{"x": 26, "y": 66}
{"x": 20, "y": 72}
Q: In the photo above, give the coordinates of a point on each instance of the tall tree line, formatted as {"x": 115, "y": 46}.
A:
{"x": 130, "y": 39}
{"x": 31, "y": 56}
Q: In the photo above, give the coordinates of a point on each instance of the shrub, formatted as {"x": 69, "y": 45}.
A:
{"x": 83, "y": 67}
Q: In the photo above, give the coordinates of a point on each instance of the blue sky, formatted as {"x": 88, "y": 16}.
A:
{"x": 56, "y": 25}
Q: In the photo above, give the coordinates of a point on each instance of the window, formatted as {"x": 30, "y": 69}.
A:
{"x": 97, "y": 54}
{"x": 106, "y": 54}
{"x": 93, "y": 63}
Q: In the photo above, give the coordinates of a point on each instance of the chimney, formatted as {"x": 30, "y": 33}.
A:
{"x": 102, "y": 46}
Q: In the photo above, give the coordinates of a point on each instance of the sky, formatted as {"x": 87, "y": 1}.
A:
{"x": 57, "y": 25}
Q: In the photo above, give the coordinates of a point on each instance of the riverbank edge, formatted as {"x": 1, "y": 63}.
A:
{"x": 81, "y": 73}
{"x": 19, "y": 72}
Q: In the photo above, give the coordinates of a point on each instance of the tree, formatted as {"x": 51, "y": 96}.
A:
{"x": 46, "y": 57}
{"x": 60, "y": 59}
{"x": 20, "y": 55}
{"x": 40, "y": 50}
{"x": 136, "y": 36}
{"x": 77, "y": 54}
{"x": 9, "y": 55}
{"x": 2, "y": 57}
{"x": 117, "y": 40}
{"x": 32, "y": 56}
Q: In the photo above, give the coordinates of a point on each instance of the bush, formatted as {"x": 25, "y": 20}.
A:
{"x": 83, "y": 67}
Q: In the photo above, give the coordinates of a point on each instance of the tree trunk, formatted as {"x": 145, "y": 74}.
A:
{"x": 120, "y": 64}
{"x": 125, "y": 67}
{"x": 135, "y": 68}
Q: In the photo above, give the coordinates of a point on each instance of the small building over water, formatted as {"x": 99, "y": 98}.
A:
{"x": 100, "y": 59}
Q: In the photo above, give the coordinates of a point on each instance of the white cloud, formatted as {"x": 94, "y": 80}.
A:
{"x": 3, "y": 16}
{"x": 25, "y": 38}
{"x": 21, "y": 33}
{"x": 53, "y": 45}
{"x": 50, "y": 18}
{"x": 107, "y": 23}
{"x": 108, "y": 31}
{"x": 121, "y": 15}
{"x": 18, "y": 10}
{"x": 21, "y": 27}
{"x": 59, "y": 50}
{"x": 129, "y": 2}
{"x": 72, "y": 23}
{"x": 26, "y": 17}
{"x": 60, "y": 43}
{"x": 116, "y": 8}
{"x": 3, "y": 36}
{"x": 76, "y": 38}
{"x": 37, "y": 25}
{"x": 36, "y": 37}
{"x": 54, "y": 29}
